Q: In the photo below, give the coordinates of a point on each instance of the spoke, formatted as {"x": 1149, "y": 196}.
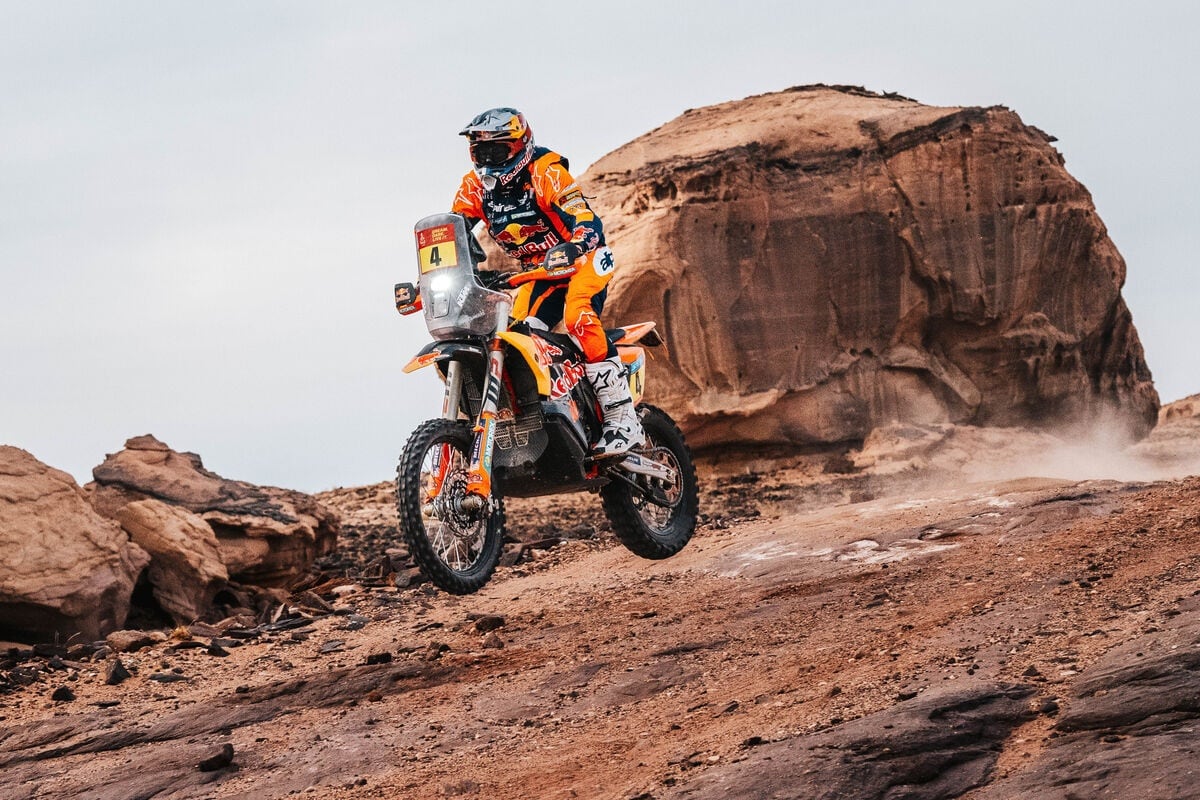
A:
{"x": 655, "y": 516}
{"x": 457, "y": 541}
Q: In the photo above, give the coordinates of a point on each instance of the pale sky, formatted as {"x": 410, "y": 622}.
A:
{"x": 204, "y": 205}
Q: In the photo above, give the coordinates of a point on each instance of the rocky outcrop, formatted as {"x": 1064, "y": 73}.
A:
{"x": 1129, "y": 727}
{"x": 265, "y": 536}
{"x": 186, "y": 570}
{"x": 935, "y": 747}
{"x": 826, "y": 260}
{"x": 1186, "y": 409}
{"x": 65, "y": 569}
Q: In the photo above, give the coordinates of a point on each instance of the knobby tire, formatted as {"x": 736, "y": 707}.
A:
{"x": 628, "y": 512}
{"x": 413, "y": 525}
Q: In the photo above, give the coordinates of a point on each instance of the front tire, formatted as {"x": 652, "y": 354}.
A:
{"x": 648, "y": 529}
{"x": 455, "y": 549}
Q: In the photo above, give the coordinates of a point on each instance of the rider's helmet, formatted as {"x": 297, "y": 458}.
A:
{"x": 501, "y": 146}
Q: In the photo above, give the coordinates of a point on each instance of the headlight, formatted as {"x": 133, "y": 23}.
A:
{"x": 441, "y": 283}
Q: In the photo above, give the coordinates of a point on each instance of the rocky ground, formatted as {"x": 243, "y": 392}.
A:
{"x": 828, "y": 633}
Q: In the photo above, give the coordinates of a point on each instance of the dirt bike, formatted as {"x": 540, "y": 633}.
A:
{"x": 518, "y": 420}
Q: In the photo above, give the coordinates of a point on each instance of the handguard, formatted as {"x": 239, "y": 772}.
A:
{"x": 542, "y": 274}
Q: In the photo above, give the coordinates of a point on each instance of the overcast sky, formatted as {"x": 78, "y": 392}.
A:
{"x": 204, "y": 205}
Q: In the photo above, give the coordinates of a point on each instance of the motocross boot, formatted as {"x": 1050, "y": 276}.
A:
{"x": 622, "y": 429}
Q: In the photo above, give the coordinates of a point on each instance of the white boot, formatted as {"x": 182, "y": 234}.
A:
{"x": 622, "y": 429}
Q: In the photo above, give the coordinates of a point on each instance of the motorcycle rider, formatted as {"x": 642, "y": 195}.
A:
{"x": 537, "y": 213}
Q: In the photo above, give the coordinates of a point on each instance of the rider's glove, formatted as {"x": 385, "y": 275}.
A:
{"x": 562, "y": 257}
{"x": 493, "y": 279}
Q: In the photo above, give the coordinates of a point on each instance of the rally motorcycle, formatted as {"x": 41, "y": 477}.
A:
{"x": 518, "y": 420}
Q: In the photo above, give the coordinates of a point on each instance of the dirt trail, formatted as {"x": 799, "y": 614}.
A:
{"x": 791, "y": 627}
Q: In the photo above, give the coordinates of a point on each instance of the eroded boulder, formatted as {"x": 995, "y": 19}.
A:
{"x": 186, "y": 569}
{"x": 826, "y": 260}
{"x": 265, "y": 536}
{"x": 64, "y": 569}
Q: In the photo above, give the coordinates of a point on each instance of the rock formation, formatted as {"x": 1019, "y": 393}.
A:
{"x": 1129, "y": 725}
{"x": 265, "y": 536}
{"x": 826, "y": 260}
{"x": 66, "y": 569}
{"x": 186, "y": 570}
{"x": 935, "y": 747}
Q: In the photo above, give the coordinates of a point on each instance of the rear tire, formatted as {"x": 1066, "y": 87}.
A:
{"x": 456, "y": 550}
{"x": 649, "y": 530}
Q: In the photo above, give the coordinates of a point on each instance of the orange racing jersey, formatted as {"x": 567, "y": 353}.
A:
{"x": 546, "y": 208}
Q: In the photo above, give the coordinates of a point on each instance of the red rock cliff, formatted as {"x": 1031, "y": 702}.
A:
{"x": 824, "y": 260}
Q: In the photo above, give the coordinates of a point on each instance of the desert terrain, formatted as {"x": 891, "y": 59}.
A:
{"x": 831, "y": 631}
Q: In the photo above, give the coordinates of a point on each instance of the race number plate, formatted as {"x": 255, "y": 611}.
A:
{"x": 436, "y": 248}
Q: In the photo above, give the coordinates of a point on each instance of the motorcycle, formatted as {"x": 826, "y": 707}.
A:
{"x": 518, "y": 420}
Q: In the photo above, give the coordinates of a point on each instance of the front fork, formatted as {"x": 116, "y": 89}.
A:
{"x": 479, "y": 473}
{"x": 450, "y": 406}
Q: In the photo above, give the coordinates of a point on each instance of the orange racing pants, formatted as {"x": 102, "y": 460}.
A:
{"x": 575, "y": 301}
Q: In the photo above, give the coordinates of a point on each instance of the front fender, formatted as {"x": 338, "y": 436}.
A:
{"x": 434, "y": 352}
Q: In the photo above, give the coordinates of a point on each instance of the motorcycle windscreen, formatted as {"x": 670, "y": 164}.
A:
{"x": 455, "y": 303}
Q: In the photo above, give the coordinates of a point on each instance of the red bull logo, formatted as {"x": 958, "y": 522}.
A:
{"x": 567, "y": 379}
{"x": 515, "y": 234}
{"x": 545, "y": 352}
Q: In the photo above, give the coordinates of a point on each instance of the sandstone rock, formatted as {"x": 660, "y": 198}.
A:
{"x": 186, "y": 570}
{"x": 65, "y": 569}
{"x": 1187, "y": 408}
{"x": 826, "y": 260}
{"x": 1171, "y": 446}
{"x": 935, "y": 747}
{"x": 1129, "y": 728}
{"x": 266, "y": 536}
{"x": 132, "y": 641}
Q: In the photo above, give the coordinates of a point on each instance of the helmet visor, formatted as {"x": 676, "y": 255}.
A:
{"x": 494, "y": 153}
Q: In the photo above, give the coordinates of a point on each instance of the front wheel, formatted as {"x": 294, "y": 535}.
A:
{"x": 456, "y": 548}
{"x": 648, "y": 528}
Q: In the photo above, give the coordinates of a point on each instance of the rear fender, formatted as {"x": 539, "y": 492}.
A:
{"x": 643, "y": 333}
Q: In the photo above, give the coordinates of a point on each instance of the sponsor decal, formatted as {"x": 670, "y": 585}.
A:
{"x": 436, "y": 235}
{"x": 475, "y": 448}
{"x": 488, "y": 433}
{"x": 573, "y": 202}
{"x": 515, "y": 233}
{"x": 571, "y": 374}
{"x": 603, "y": 262}
{"x": 544, "y": 351}
{"x": 506, "y": 205}
{"x": 529, "y": 248}
{"x": 491, "y": 395}
{"x": 436, "y": 248}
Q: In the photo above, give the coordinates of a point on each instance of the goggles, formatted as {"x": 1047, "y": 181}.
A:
{"x": 495, "y": 153}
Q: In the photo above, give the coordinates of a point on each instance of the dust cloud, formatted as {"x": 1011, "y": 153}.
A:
{"x": 1101, "y": 451}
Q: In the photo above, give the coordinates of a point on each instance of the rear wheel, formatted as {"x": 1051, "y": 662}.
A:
{"x": 648, "y": 528}
{"x": 456, "y": 548}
